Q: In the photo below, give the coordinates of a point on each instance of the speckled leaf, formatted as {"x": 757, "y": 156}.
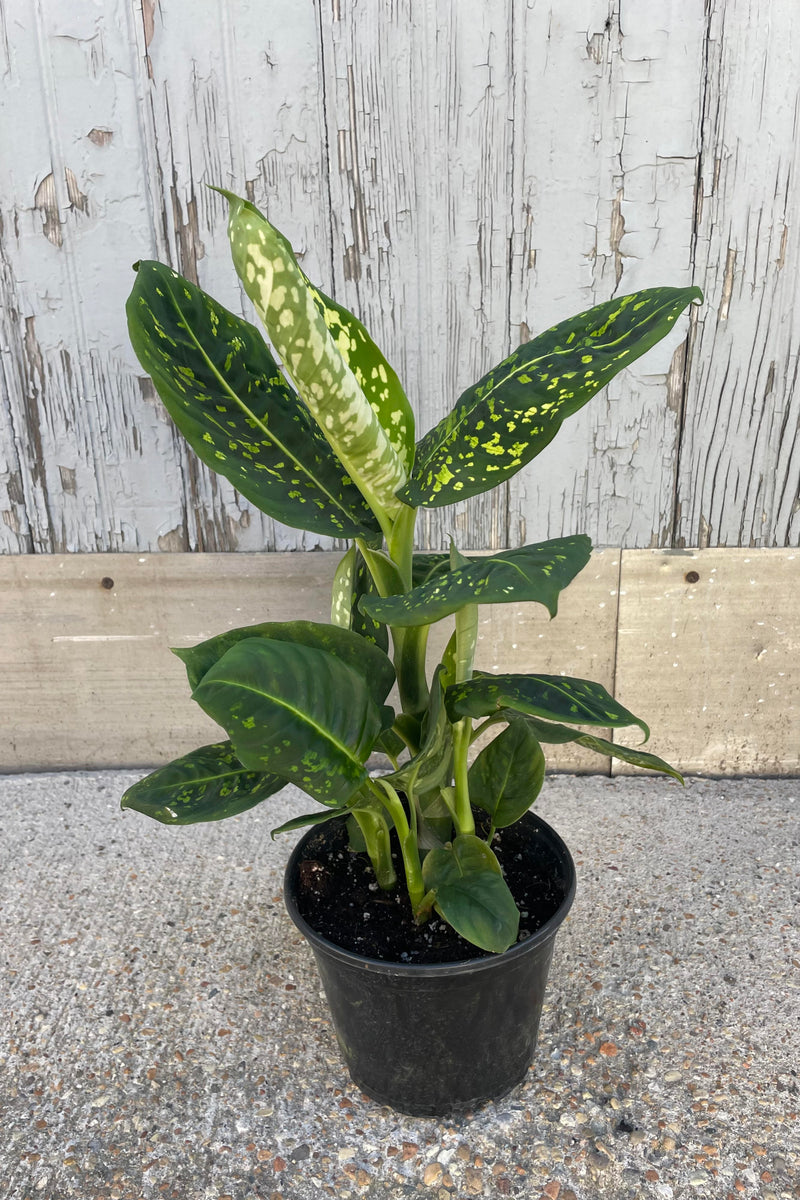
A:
{"x": 343, "y": 588}
{"x": 222, "y": 387}
{"x": 471, "y": 893}
{"x": 369, "y": 629}
{"x": 376, "y": 378}
{"x": 509, "y": 416}
{"x": 555, "y": 697}
{"x": 295, "y": 711}
{"x": 507, "y": 775}
{"x": 554, "y": 734}
{"x": 205, "y": 785}
{"x": 309, "y": 351}
{"x": 537, "y": 572}
{"x": 425, "y": 564}
{"x": 366, "y": 659}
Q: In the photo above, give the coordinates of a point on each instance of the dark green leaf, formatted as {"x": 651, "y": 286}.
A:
{"x": 507, "y": 775}
{"x": 390, "y": 743}
{"x": 205, "y": 785}
{"x": 295, "y": 711}
{"x": 509, "y": 416}
{"x": 344, "y": 644}
{"x": 537, "y": 572}
{"x": 436, "y": 809}
{"x": 555, "y": 697}
{"x": 223, "y": 389}
{"x": 369, "y": 629}
{"x": 471, "y": 893}
{"x": 317, "y": 818}
{"x": 637, "y": 758}
{"x": 426, "y": 564}
{"x": 432, "y": 767}
{"x": 546, "y": 732}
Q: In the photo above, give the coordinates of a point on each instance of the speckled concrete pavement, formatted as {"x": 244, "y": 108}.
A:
{"x": 162, "y": 1032}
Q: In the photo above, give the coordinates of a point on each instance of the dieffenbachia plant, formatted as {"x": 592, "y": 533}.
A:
{"x": 317, "y": 432}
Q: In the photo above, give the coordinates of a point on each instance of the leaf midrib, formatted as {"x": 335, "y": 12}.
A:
{"x": 265, "y": 430}
{"x": 304, "y": 717}
{"x": 561, "y": 691}
{"x": 530, "y": 364}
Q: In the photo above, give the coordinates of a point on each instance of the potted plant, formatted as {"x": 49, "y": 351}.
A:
{"x": 409, "y": 884}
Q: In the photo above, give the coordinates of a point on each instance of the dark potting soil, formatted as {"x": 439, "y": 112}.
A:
{"x": 339, "y": 898}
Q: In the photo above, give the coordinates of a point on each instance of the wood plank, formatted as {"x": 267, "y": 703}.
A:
{"x": 88, "y": 665}
{"x": 90, "y": 682}
{"x": 443, "y": 200}
{"x": 604, "y": 200}
{"x": 712, "y": 665}
{"x": 72, "y": 222}
{"x": 740, "y": 452}
{"x": 421, "y": 201}
{"x": 231, "y": 100}
{"x": 580, "y": 641}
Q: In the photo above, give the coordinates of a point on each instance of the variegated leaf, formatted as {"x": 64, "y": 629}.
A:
{"x": 266, "y": 264}
{"x": 205, "y": 785}
{"x": 376, "y": 378}
{"x": 537, "y": 572}
{"x": 222, "y": 387}
{"x": 344, "y": 644}
{"x": 554, "y": 734}
{"x": 343, "y": 589}
{"x": 554, "y": 697}
{"x": 508, "y": 417}
{"x": 296, "y": 712}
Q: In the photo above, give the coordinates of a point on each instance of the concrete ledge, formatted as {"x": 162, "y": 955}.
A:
{"x": 162, "y": 1032}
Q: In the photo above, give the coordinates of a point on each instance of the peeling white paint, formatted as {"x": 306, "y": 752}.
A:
{"x": 518, "y": 163}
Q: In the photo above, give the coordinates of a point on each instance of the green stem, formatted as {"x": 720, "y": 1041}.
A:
{"x": 401, "y": 544}
{"x": 410, "y": 646}
{"x": 374, "y": 827}
{"x": 487, "y": 724}
{"x": 463, "y": 813}
{"x": 406, "y": 836}
{"x": 466, "y": 643}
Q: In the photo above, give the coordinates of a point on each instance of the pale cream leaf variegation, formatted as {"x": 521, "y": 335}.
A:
{"x": 292, "y": 314}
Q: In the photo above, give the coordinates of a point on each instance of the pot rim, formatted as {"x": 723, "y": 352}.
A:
{"x": 545, "y": 933}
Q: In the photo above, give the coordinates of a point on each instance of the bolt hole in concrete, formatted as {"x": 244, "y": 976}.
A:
{"x": 107, "y": 583}
{"x": 690, "y": 577}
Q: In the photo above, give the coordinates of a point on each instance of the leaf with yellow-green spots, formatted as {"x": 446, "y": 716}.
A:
{"x": 205, "y": 785}
{"x": 296, "y": 319}
{"x": 508, "y": 417}
{"x": 538, "y": 572}
{"x": 296, "y": 712}
{"x": 376, "y": 378}
{"x": 553, "y": 734}
{"x": 554, "y": 697}
{"x": 222, "y": 387}
{"x": 348, "y": 645}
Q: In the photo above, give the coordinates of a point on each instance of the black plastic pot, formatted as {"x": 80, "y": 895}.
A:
{"x": 436, "y": 1040}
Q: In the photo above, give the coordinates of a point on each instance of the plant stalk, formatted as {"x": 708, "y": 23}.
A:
{"x": 375, "y": 830}
{"x": 407, "y": 838}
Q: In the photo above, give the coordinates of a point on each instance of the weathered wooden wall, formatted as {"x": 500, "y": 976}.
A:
{"x": 460, "y": 174}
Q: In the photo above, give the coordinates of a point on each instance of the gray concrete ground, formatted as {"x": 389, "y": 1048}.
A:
{"x": 162, "y": 1032}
